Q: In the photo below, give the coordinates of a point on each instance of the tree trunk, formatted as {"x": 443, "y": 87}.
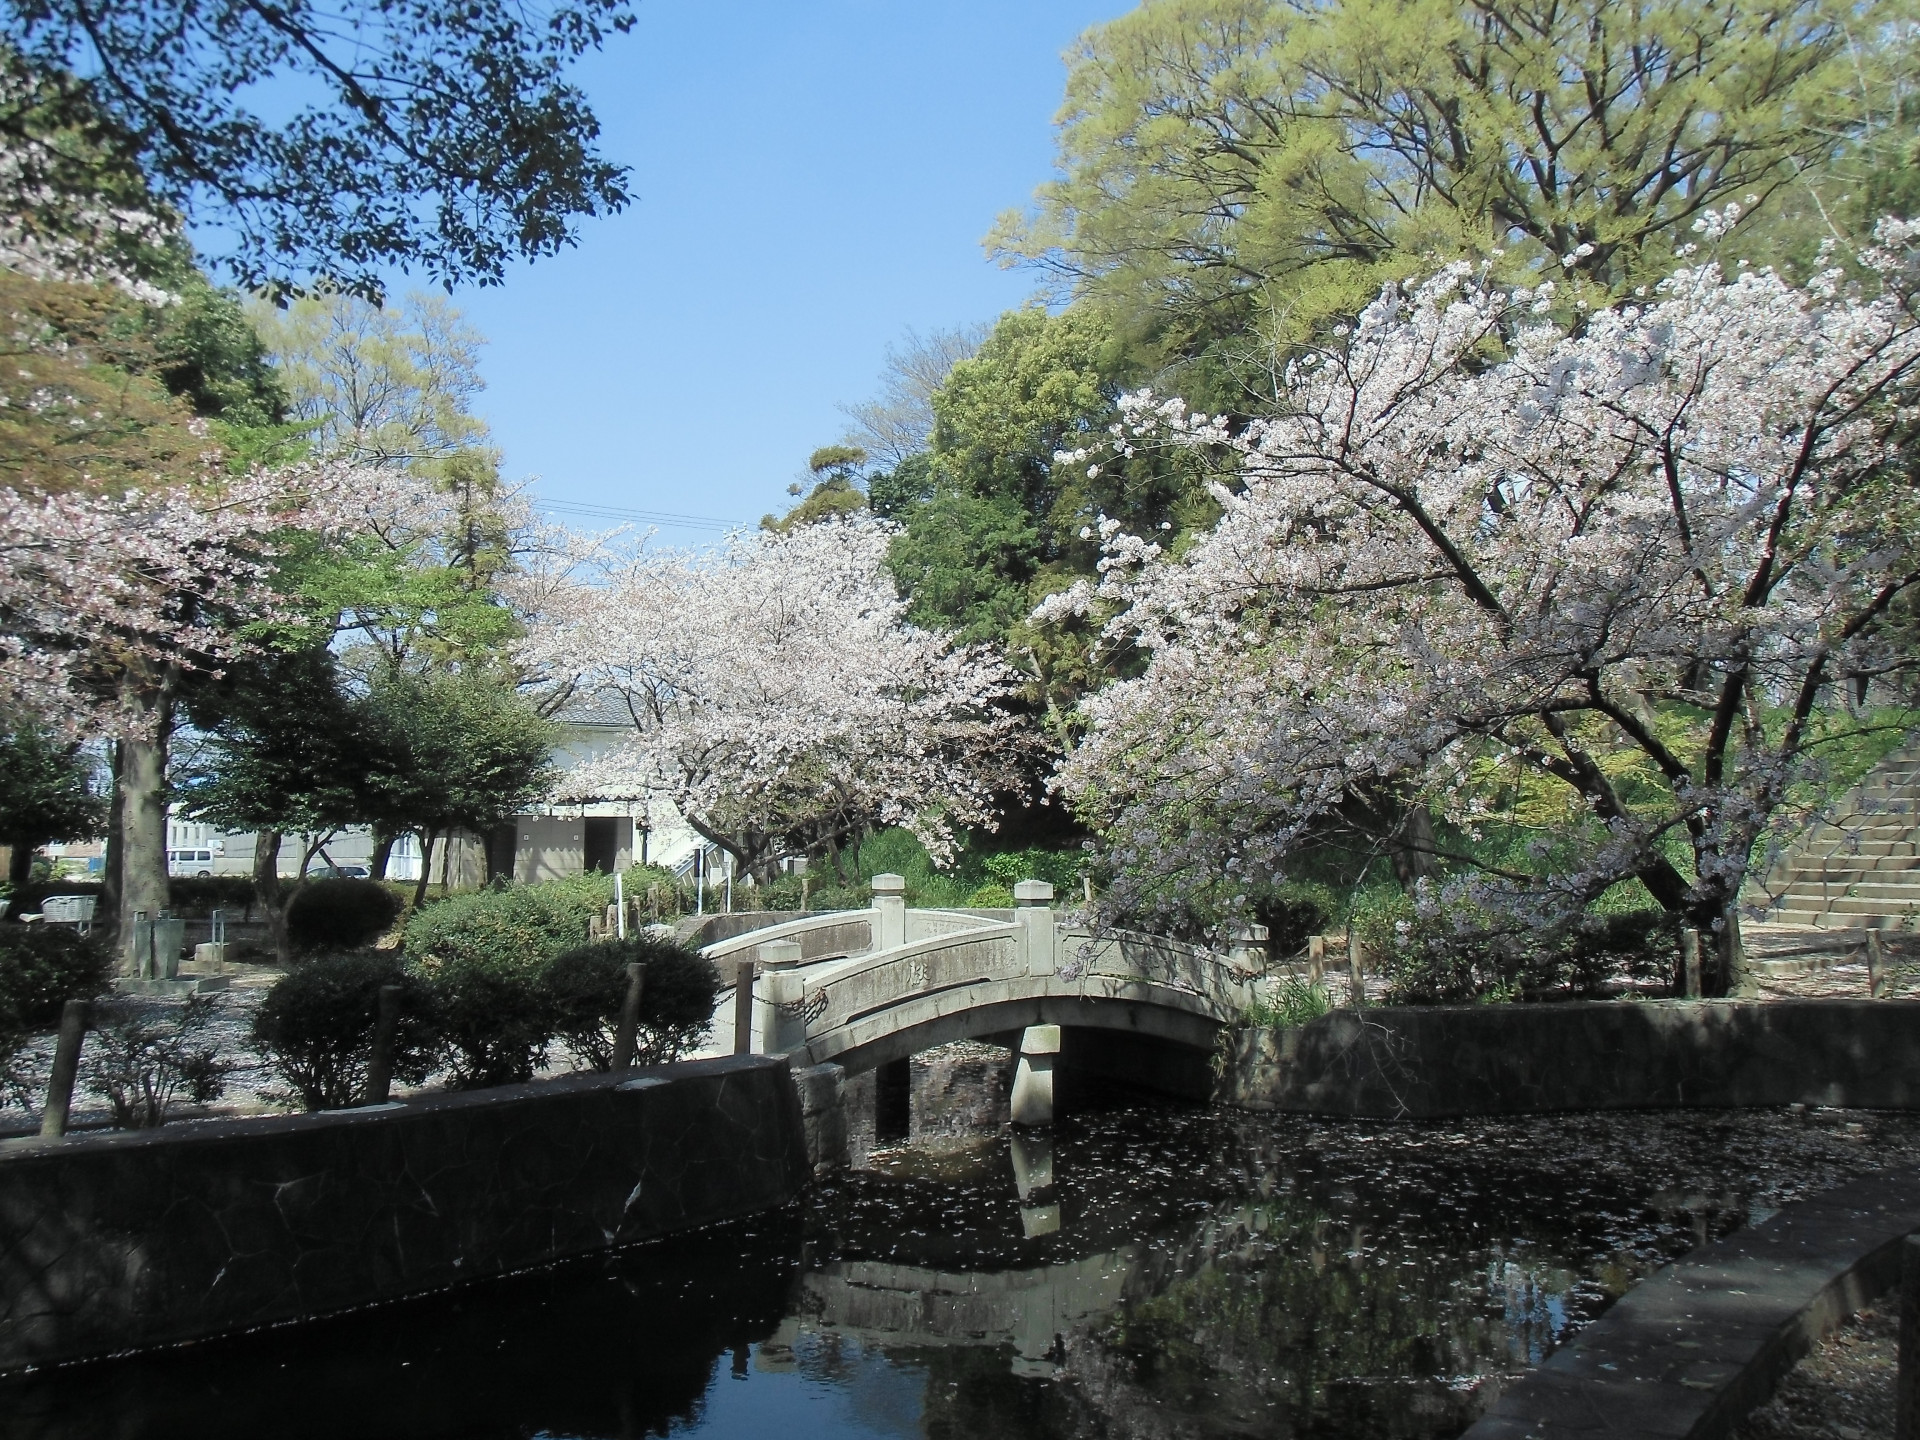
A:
{"x": 382, "y": 853}
{"x": 426, "y": 868}
{"x": 19, "y": 863}
{"x": 266, "y": 888}
{"x": 1412, "y": 846}
{"x": 107, "y": 912}
{"x": 143, "y": 794}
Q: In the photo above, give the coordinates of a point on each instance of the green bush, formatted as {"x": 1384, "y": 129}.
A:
{"x": 1466, "y": 954}
{"x": 991, "y": 897}
{"x": 1290, "y": 1002}
{"x": 520, "y": 925}
{"x": 485, "y": 955}
{"x": 1059, "y": 868}
{"x": 589, "y": 984}
{"x": 340, "y": 914}
{"x": 315, "y": 1027}
{"x": 655, "y": 890}
{"x": 842, "y": 897}
{"x": 783, "y": 892}
{"x": 44, "y": 966}
{"x": 495, "y": 1022}
{"x": 203, "y": 894}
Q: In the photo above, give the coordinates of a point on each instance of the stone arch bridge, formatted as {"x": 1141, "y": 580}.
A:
{"x": 858, "y": 990}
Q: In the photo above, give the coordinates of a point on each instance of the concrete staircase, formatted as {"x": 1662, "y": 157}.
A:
{"x": 1858, "y": 867}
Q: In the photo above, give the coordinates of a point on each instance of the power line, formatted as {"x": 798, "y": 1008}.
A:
{"x": 648, "y": 517}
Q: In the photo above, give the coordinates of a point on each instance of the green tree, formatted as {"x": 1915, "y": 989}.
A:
{"x": 1236, "y": 173}
{"x": 996, "y": 525}
{"x": 49, "y": 790}
{"x": 457, "y": 751}
{"x": 836, "y": 493}
{"x": 281, "y": 749}
{"x": 420, "y": 133}
{"x": 392, "y": 383}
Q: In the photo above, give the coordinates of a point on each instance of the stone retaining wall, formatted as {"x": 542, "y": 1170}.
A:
{"x": 1688, "y": 1353}
{"x": 129, "y": 1240}
{"x": 1431, "y": 1062}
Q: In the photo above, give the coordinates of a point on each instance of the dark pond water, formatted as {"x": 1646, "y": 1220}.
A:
{"x": 1184, "y": 1274}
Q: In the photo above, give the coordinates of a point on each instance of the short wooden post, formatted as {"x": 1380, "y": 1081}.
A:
{"x": 1876, "y": 965}
{"x": 627, "y": 1038}
{"x": 66, "y": 1067}
{"x": 1316, "y": 959}
{"x": 1356, "y": 980}
{"x": 1690, "y": 964}
{"x": 743, "y": 1008}
{"x": 386, "y": 1028}
{"x": 1906, "y": 1384}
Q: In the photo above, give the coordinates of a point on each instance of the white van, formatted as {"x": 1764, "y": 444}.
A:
{"x": 189, "y": 862}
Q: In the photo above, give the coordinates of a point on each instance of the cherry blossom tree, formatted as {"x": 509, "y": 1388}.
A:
{"x": 1604, "y": 572}
{"x": 109, "y": 601}
{"x": 775, "y": 693}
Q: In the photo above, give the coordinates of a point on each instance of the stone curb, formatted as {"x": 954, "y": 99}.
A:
{"x": 1691, "y": 1351}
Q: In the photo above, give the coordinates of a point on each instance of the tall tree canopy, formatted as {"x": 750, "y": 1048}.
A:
{"x": 1237, "y": 172}
{"x": 431, "y": 134}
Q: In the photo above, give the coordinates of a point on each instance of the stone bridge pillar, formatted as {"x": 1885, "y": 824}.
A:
{"x": 889, "y": 911}
{"x": 1033, "y": 913}
{"x": 1033, "y": 1075}
{"x": 777, "y": 1017}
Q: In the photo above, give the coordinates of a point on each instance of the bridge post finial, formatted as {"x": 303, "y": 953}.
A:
{"x": 889, "y": 911}
{"x": 1033, "y": 913}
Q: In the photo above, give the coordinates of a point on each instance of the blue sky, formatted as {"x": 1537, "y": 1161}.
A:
{"x": 811, "y": 179}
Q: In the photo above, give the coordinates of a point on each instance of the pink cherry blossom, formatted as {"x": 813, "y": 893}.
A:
{"x": 1634, "y": 557}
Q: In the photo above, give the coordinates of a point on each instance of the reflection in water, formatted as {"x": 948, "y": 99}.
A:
{"x": 1138, "y": 1273}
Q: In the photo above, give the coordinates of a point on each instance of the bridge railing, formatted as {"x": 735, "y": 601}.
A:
{"x": 836, "y": 934}
{"x": 1029, "y": 956}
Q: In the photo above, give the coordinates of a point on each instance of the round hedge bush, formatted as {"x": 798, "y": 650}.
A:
{"x": 340, "y": 914}
{"x": 588, "y": 985}
{"x": 44, "y": 966}
{"x": 315, "y": 1027}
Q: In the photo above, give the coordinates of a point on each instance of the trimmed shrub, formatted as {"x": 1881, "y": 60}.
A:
{"x": 588, "y": 985}
{"x": 495, "y": 1022}
{"x": 315, "y": 1027}
{"x": 340, "y": 914}
{"x": 485, "y": 956}
{"x": 203, "y": 894}
{"x": 44, "y": 966}
{"x": 516, "y": 925}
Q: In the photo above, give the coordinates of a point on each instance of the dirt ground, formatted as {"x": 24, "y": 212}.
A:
{"x": 1843, "y": 1390}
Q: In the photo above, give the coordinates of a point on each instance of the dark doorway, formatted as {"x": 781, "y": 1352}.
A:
{"x": 603, "y": 843}
{"x": 502, "y": 840}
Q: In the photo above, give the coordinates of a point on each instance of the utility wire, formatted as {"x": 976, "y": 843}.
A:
{"x": 593, "y": 511}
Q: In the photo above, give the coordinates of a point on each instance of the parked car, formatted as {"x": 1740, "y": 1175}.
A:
{"x": 190, "y": 862}
{"x": 339, "y": 872}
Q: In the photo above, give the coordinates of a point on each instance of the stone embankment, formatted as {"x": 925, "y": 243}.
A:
{"x": 1408, "y": 1062}
{"x": 1690, "y": 1352}
{"x": 132, "y": 1240}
